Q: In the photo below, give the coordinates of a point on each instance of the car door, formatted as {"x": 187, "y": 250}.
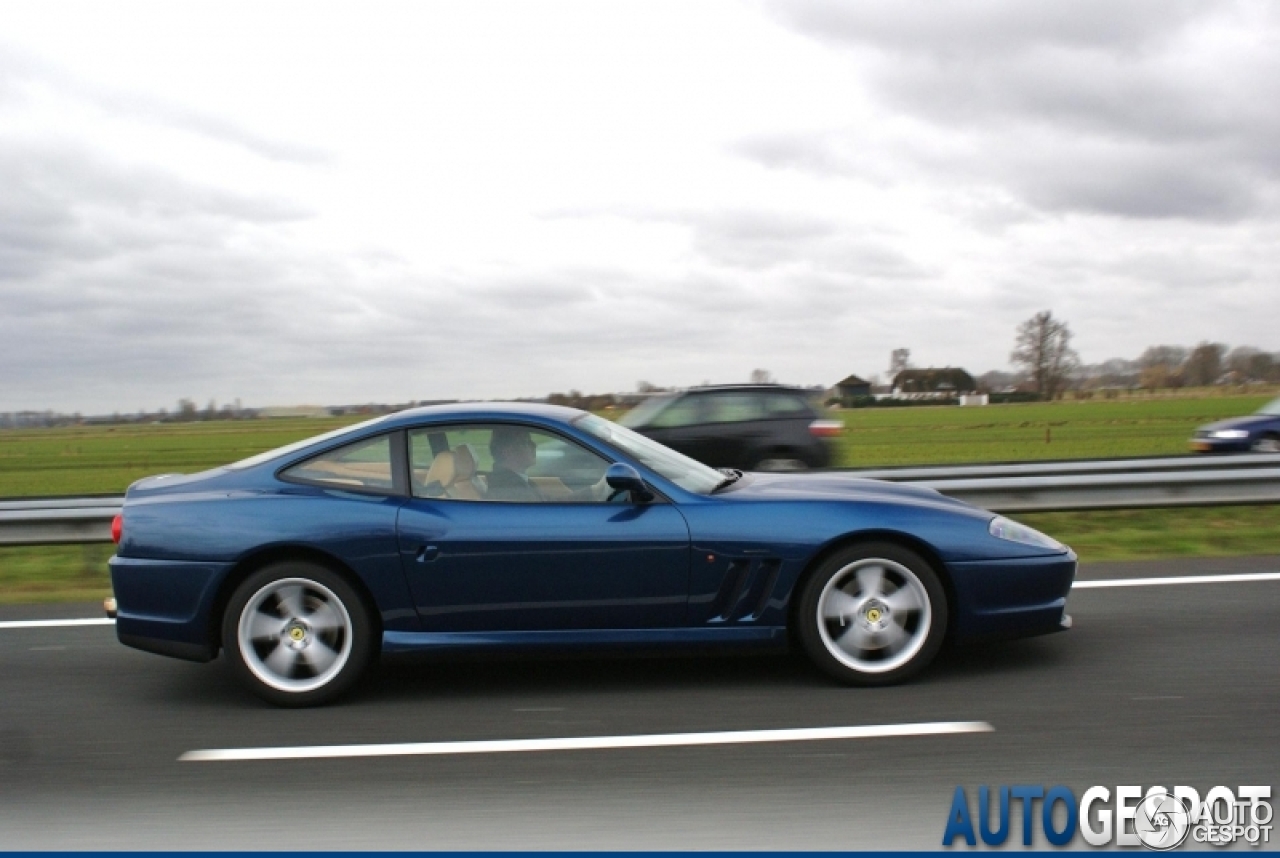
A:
{"x": 735, "y": 428}
{"x": 565, "y": 560}
{"x": 681, "y": 426}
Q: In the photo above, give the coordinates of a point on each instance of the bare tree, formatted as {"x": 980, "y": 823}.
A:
{"x": 899, "y": 359}
{"x": 1245, "y": 363}
{"x": 1043, "y": 349}
{"x": 1204, "y": 365}
{"x": 761, "y": 376}
{"x": 1161, "y": 366}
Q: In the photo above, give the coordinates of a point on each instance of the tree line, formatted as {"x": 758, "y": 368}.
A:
{"x": 1049, "y": 366}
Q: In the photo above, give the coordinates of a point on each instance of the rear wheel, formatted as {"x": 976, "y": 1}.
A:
{"x": 873, "y": 614}
{"x": 297, "y": 634}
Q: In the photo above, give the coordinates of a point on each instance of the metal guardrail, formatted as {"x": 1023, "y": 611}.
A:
{"x": 1030, "y": 487}
{"x": 1074, "y": 467}
{"x": 57, "y": 520}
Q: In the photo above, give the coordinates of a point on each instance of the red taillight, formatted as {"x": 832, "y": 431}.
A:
{"x": 117, "y": 528}
{"x": 826, "y": 428}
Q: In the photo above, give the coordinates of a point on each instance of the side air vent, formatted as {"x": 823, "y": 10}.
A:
{"x": 767, "y": 579}
{"x": 744, "y": 592}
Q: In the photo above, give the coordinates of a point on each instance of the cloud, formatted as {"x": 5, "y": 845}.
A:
{"x": 432, "y": 219}
{"x": 1138, "y": 110}
{"x": 22, "y": 73}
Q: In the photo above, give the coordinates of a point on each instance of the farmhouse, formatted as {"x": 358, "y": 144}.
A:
{"x": 933, "y": 383}
{"x": 852, "y": 388}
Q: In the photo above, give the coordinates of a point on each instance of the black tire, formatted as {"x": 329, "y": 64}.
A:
{"x": 1269, "y": 443}
{"x": 873, "y": 614}
{"x": 297, "y": 634}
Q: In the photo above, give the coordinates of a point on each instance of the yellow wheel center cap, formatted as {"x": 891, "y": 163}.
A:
{"x": 297, "y": 633}
{"x": 874, "y": 615}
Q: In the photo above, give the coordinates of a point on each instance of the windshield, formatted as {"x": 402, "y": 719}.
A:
{"x": 298, "y": 445}
{"x": 684, "y": 472}
{"x": 1271, "y": 409}
{"x": 643, "y": 413}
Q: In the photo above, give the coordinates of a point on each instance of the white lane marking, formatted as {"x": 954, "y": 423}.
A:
{"x": 1182, "y": 579}
{"x": 54, "y": 624}
{"x": 582, "y": 743}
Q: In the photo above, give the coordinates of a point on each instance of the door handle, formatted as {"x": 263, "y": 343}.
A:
{"x": 428, "y": 553}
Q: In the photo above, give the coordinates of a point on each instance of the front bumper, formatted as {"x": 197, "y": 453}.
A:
{"x": 1012, "y": 598}
{"x": 1220, "y": 445}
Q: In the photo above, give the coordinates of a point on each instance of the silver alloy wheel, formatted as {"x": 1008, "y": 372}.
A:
{"x": 781, "y": 465}
{"x": 1269, "y": 444}
{"x": 295, "y": 635}
{"x": 874, "y": 615}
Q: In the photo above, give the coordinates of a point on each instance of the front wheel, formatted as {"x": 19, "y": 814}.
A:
{"x": 783, "y": 460}
{"x": 1267, "y": 444}
{"x": 297, "y": 634}
{"x": 873, "y": 614}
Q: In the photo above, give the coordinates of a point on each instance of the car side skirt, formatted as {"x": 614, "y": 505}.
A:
{"x": 764, "y": 637}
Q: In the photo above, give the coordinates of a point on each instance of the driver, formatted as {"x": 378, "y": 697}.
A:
{"x": 514, "y": 452}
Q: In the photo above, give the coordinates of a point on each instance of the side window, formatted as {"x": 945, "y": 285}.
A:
{"x": 785, "y": 405}
{"x": 734, "y": 408}
{"x": 363, "y": 465}
{"x": 504, "y": 463}
{"x": 686, "y": 411}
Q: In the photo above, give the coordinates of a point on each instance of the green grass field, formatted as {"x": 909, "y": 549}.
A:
{"x": 1090, "y": 429}
{"x": 104, "y": 460}
{"x": 86, "y": 460}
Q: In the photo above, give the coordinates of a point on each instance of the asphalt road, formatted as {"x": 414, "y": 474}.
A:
{"x": 1171, "y": 684}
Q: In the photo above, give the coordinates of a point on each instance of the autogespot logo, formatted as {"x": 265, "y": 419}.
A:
{"x": 1158, "y": 819}
{"x": 1162, "y": 821}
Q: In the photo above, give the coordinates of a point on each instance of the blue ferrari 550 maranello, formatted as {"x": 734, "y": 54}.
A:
{"x": 530, "y": 526}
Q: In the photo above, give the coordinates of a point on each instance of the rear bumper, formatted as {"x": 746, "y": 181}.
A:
{"x": 163, "y": 606}
{"x": 1013, "y": 598}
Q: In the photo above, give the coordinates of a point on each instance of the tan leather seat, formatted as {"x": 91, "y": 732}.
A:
{"x": 464, "y": 483}
{"x": 440, "y": 475}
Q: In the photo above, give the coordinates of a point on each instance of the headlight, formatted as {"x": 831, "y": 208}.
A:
{"x": 1229, "y": 433}
{"x": 1004, "y": 528}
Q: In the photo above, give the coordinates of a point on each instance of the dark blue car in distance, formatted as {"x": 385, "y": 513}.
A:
{"x": 525, "y": 527}
{"x": 1259, "y": 433}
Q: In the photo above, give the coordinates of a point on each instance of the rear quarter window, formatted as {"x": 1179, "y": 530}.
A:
{"x": 786, "y": 405}
{"x": 364, "y": 465}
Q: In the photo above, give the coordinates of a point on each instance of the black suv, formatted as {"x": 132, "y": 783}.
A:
{"x": 755, "y": 427}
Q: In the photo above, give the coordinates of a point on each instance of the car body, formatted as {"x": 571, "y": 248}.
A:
{"x": 304, "y": 563}
{"x": 754, "y": 427}
{"x": 1258, "y": 432}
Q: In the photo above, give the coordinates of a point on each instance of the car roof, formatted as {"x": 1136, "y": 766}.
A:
{"x": 482, "y": 411}
{"x": 774, "y": 388}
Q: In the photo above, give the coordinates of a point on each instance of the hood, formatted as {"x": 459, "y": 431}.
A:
{"x": 833, "y": 485}
{"x": 1253, "y": 421}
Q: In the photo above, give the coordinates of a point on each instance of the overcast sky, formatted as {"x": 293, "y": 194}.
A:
{"x": 373, "y": 201}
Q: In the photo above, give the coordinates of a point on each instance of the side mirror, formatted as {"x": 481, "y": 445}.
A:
{"x": 622, "y": 477}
